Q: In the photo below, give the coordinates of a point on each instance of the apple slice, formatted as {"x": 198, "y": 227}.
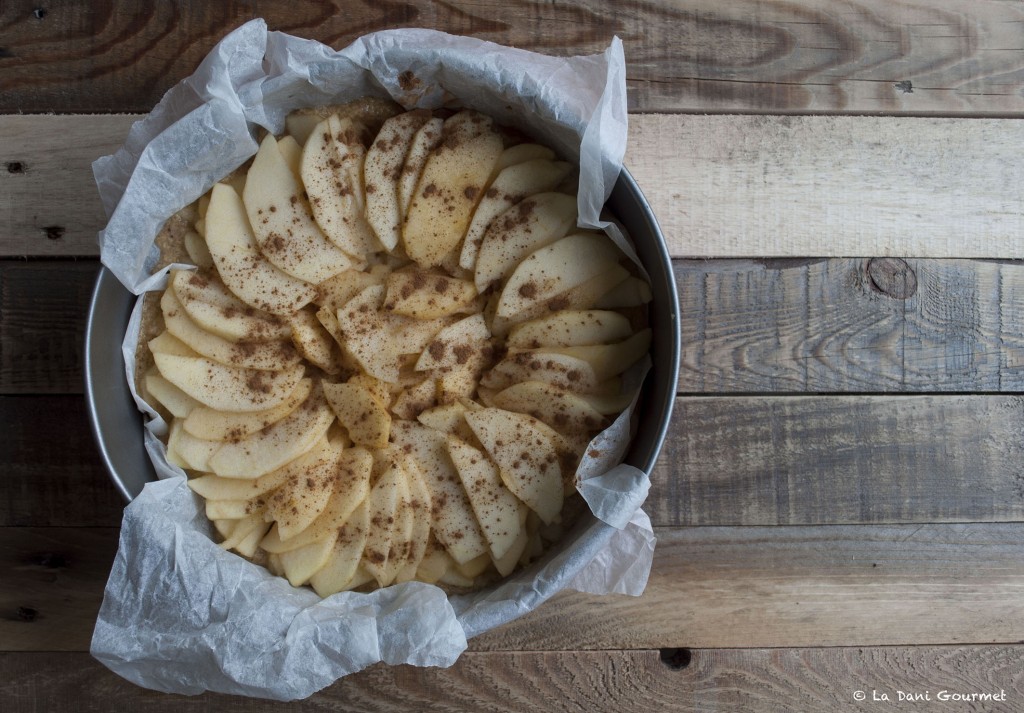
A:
{"x": 251, "y": 542}
{"x": 212, "y": 307}
{"x": 570, "y": 328}
{"x": 527, "y": 226}
{"x": 427, "y": 295}
{"x": 265, "y": 356}
{"x": 521, "y": 153}
{"x": 364, "y": 417}
{"x": 301, "y": 564}
{"x": 419, "y": 533}
{"x": 608, "y": 360}
{"x": 243, "y": 529}
{"x": 456, "y": 344}
{"x": 195, "y": 246}
{"x": 167, "y": 343}
{"x": 386, "y": 521}
{"x": 555, "y": 270}
{"x": 282, "y": 222}
{"x": 204, "y": 422}
{"x": 269, "y": 449}
{"x": 435, "y": 563}
{"x": 551, "y": 367}
{"x": 423, "y": 144}
{"x": 213, "y": 487}
{"x": 351, "y": 487}
{"x": 332, "y": 171}
{"x": 251, "y": 277}
{"x": 378, "y": 388}
{"x": 557, "y": 407}
{"x": 412, "y": 400}
{"x": 314, "y": 342}
{"x": 525, "y": 455}
{"x": 382, "y": 170}
{"x": 447, "y": 418}
{"x": 511, "y": 186}
{"x": 366, "y": 336}
{"x": 631, "y": 292}
{"x": 227, "y": 388}
{"x": 307, "y": 490}
{"x": 453, "y": 180}
{"x": 176, "y": 401}
{"x": 334, "y": 292}
{"x": 231, "y": 509}
{"x": 292, "y": 154}
{"x": 340, "y": 571}
{"x": 194, "y": 452}
{"x": 453, "y": 520}
{"x": 496, "y": 508}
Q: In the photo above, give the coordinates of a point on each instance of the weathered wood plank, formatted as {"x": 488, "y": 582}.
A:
{"x": 710, "y": 588}
{"x": 52, "y": 474}
{"x": 849, "y": 459}
{"x": 714, "y": 680}
{"x": 800, "y": 586}
{"x": 42, "y": 325}
{"x": 772, "y": 56}
{"x": 850, "y": 325}
{"x": 721, "y": 186}
{"x": 726, "y": 461}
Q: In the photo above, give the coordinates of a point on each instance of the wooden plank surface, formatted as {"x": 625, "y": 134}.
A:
{"x": 847, "y": 325}
{"x": 721, "y": 186}
{"x": 700, "y": 55}
{"x": 746, "y": 587}
{"x": 712, "y": 681}
{"x": 727, "y": 461}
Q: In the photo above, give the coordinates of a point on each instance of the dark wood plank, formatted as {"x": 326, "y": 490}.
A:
{"x": 43, "y": 307}
{"x": 849, "y": 459}
{"x": 800, "y": 586}
{"x": 810, "y": 55}
{"x": 842, "y": 325}
{"x": 712, "y": 680}
{"x": 866, "y": 585}
{"x": 52, "y": 474}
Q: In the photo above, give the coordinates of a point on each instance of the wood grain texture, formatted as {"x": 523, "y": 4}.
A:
{"x": 721, "y": 186}
{"x": 750, "y": 186}
{"x": 799, "y": 586}
{"x": 849, "y": 325}
{"x": 809, "y": 55}
{"x": 714, "y": 681}
{"x": 43, "y": 307}
{"x": 52, "y": 474}
{"x": 710, "y": 588}
{"x": 831, "y": 459}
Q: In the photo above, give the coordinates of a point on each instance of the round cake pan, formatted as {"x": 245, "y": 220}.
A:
{"x": 117, "y": 423}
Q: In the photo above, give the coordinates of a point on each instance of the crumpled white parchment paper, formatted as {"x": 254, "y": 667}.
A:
{"x": 180, "y": 614}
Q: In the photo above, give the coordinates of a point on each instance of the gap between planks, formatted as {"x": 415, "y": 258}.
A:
{"x": 867, "y": 585}
{"x": 713, "y": 680}
{"x": 721, "y": 186}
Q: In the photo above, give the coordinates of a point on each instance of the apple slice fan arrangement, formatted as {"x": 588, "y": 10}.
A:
{"x": 395, "y": 349}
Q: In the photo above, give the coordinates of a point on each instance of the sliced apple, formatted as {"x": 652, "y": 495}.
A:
{"x": 413, "y": 400}
{"x": 608, "y": 360}
{"x": 419, "y": 532}
{"x": 366, "y": 336}
{"x": 525, "y": 455}
{"x": 385, "y": 500}
{"x": 242, "y": 529}
{"x": 453, "y": 520}
{"x": 382, "y": 170}
{"x": 292, "y": 154}
{"x": 213, "y": 487}
{"x": 211, "y": 306}
{"x": 282, "y": 222}
{"x": 423, "y": 144}
{"x": 570, "y": 328}
{"x": 378, "y": 388}
{"x": 195, "y": 246}
{"x": 521, "y": 153}
{"x": 282, "y": 442}
{"x": 427, "y": 295}
{"x": 527, "y": 226}
{"x": 507, "y": 562}
{"x": 250, "y": 543}
{"x": 334, "y": 292}
{"x": 314, "y": 342}
{"x": 227, "y": 388}
{"x": 435, "y": 563}
{"x": 340, "y": 571}
{"x": 332, "y": 171}
{"x": 250, "y": 276}
{"x": 456, "y": 344}
{"x": 569, "y": 372}
{"x": 193, "y": 452}
{"x": 453, "y": 180}
{"x": 557, "y": 407}
{"x": 631, "y": 292}
{"x": 214, "y": 425}
{"x": 447, "y": 418}
{"x": 496, "y": 508}
{"x": 265, "y": 356}
{"x": 363, "y": 415}
{"x": 306, "y": 491}
{"x": 511, "y": 186}
{"x": 555, "y": 270}
{"x": 302, "y": 563}
{"x": 231, "y": 509}
{"x": 167, "y": 343}
{"x": 176, "y": 401}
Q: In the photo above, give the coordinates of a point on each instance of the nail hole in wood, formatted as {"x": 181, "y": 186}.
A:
{"x": 906, "y": 86}
{"x": 39, "y": 13}
{"x": 15, "y": 167}
{"x": 54, "y": 232}
{"x": 50, "y": 560}
{"x": 27, "y": 614}
{"x": 676, "y": 659}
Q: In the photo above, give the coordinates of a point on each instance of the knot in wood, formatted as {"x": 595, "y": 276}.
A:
{"x": 676, "y": 659}
{"x": 892, "y": 277}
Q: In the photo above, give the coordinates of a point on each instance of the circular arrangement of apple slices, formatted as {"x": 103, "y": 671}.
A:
{"x": 395, "y": 350}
